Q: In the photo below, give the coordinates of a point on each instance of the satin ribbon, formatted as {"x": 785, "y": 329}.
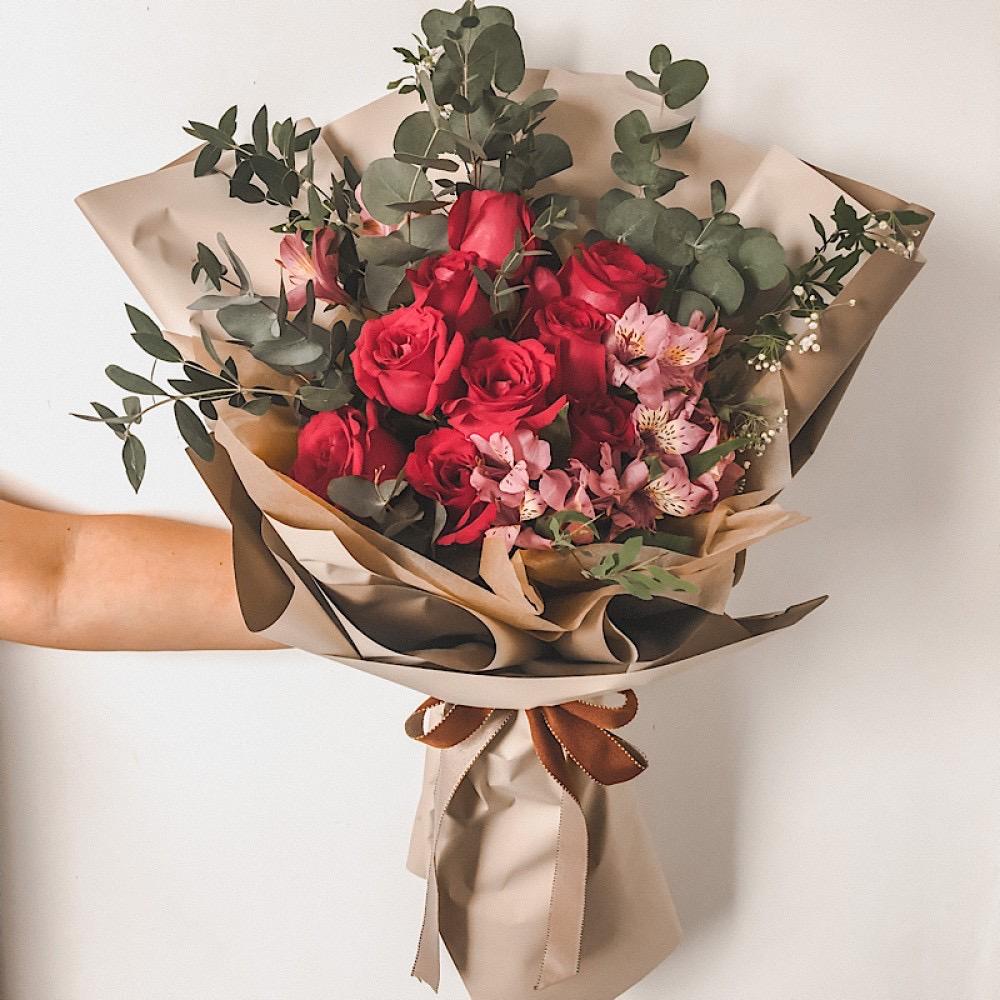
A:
{"x": 577, "y": 732}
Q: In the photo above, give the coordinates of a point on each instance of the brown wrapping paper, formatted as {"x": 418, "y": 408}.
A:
{"x": 309, "y": 576}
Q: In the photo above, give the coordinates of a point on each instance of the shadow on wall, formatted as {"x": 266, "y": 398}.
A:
{"x": 689, "y": 728}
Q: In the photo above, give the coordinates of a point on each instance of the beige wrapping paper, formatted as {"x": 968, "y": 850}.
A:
{"x": 311, "y": 577}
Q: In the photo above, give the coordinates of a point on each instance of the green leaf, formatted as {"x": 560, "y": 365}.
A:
{"x": 629, "y": 552}
{"x": 356, "y": 495}
{"x": 141, "y": 322}
{"x": 387, "y": 182}
{"x": 718, "y": 192}
{"x": 608, "y": 202}
{"x": 381, "y": 282}
{"x": 261, "y": 137}
{"x": 134, "y": 460}
{"x": 418, "y": 136}
{"x": 193, "y": 431}
{"x": 210, "y": 266}
{"x": 391, "y": 250}
{"x": 720, "y": 281}
{"x": 288, "y": 352}
{"x": 328, "y": 397}
{"x": 630, "y": 131}
{"x": 763, "y": 258}
{"x": 131, "y": 382}
{"x": 206, "y": 160}
{"x": 907, "y": 217}
{"x": 154, "y": 345}
{"x": 107, "y": 416}
{"x": 691, "y": 301}
{"x": 699, "y": 464}
{"x": 642, "y": 82}
{"x": 429, "y": 232}
{"x": 659, "y": 58}
{"x": 682, "y": 81}
{"x": 669, "y": 138}
{"x": 252, "y": 324}
{"x": 557, "y": 435}
{"x": 673, "y": 238}
{"x": 675, "y": 543}
{"x": 497, "y": 58}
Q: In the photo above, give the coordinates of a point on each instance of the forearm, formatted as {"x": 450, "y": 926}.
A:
{"x": 117, "y": 582}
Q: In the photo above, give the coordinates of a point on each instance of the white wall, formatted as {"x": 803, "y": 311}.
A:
{"x": 175, "y": 827}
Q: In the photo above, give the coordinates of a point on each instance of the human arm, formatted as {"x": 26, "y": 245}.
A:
{"x": 112, "y": 582}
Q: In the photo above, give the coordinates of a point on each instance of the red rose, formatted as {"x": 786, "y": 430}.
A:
{"x": 448, "y": 283}
{"x": 508, "y": 383}
{"x": 408, "y": 360}
{"x": 439, "y": 467}
{"x": 486, "y": 222}
{"x": 600, "y": 420}
{"x": 574, "y": 332}
{"x": 611, "y": 276}
{"x": 345, "y": 443}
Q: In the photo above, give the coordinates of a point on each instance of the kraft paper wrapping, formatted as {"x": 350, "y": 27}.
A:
{"x": 311, "y": 577}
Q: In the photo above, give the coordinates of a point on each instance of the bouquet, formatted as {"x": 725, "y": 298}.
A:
{"x": 496, "y": 409}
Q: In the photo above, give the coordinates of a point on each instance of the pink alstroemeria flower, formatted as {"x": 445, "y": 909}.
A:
{"x": 509, "y": 463}
{"x": 651, "y": 353}
{"x": 320, "y": 266}
{"x": 665, "y": 431}
{"x": 620, "y": 495}
{"x": 672, "y": 492}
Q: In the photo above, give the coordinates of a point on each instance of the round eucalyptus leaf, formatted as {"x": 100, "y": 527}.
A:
{"x": 252, "y": 324}
{"x": 387, "y": 182}
{"x": 496, "y": 57}
{"x": 690, "y": 302}
{"x": 418, "y": 136}
{"x": 676, "y": 231}
{"x": 630, "y": 130}
{"x": 659, "y": 58}
{"x": 634, "y": 221}
{"x": 288, "y": 352}
{"x": 763, "y": 258}
{"x": 720, "y": 281}
{"x": 683, "y": 81}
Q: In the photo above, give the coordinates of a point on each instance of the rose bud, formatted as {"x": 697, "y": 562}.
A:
{"x": 487, "y": 222}
{"x": 611, "y": 276}
{"x": 345, "y": 442}
{"x": 408, "y": 359}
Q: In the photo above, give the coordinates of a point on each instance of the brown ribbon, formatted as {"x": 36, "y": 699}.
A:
{"x": 577, "y": 731}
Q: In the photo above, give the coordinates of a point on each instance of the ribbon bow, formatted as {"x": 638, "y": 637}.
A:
{"x": 577, "y": 731}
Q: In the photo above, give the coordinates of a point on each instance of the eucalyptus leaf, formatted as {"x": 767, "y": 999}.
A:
{"x": 669, "y": 138}
{"x": 131, "y": 382}
{"x": 193, "y": 431}
{"x": 720, "y": 281}
{"x": 387, "y": 182}
{"x": 141, "y": 322}
{"x": 252, "y": 324}
{"x": 718, "y": 193}
{"x": 763, "y": 258}
{"x": 288, "y": 352}
{"x": 642, "y": 82}
{"x": 154, "y": 345}
{"x": 682, "y": 81}
{"x": 381, "y": 282}
{"x": 699, "y": 464}
{"x": 690, "y": 302}
{"x": 134, "y": 460}
{"x": 659, "y": 58}
{"x": 630, "y": 131}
